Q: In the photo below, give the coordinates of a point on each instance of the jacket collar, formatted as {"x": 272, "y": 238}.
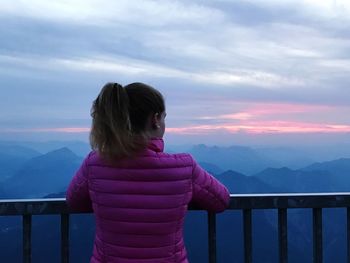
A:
{"x": 156, "y": 144}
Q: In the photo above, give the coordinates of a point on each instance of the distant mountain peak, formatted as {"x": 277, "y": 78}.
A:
{"x": 64, "y": 151}
{"x": 215, "y": 147}
{"x": 280, "y": 169}
{"x": 284, "y": 169}
{"x": 232, "y": 173}
{"x": 339, "y": 166}
{"x": 62, "y": 154}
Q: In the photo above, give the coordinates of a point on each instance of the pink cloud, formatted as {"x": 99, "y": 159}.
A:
{"x": 266, "y": 118}
{"x": 276, "y": 108}
{"x": 237, "y": 116}
{"x": 258, "y": 110}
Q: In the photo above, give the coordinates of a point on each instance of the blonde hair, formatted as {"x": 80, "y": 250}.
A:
{"x": 119, "y": 118}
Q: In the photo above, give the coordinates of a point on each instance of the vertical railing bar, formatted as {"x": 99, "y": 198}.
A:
{"x": 65, "y": 238}
{"x": 247, "y": 229}
{"x": 27, "y": 238}
{"x": 282, "y": 235}
{"x": 348, "y": 233}
{"x": 212, "y": 237}
{"x": 317, "y": 235}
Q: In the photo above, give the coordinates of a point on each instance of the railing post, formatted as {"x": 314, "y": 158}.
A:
{"x": 65, "y": 238}
{"x": 27, "y": 238}
{"x": 317, "y": 235}
{"x": 348, "y": 233}
{"x": 282, "y": 235}
{"x": 247, "y": 229}
{"x": 212, "y": 237}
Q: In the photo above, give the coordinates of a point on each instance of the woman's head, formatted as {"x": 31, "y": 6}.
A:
{"x": 124, "y": 118}
{"x": 146, "y": 105}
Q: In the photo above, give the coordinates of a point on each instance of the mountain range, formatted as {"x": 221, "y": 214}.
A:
{"x": 22, "y": 168}
{"x": 28, "y": 173}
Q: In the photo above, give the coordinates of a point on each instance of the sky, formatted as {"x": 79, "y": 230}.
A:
{"x": 232, "y": 72}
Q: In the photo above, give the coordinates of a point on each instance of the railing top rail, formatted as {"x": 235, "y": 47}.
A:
{"x": 292, "y": 194}
{"x": 44, "y": 206}
{"x": 290, "y": 200}
{"x": 26, "y": 200}
{"x": 48, "y": 206}
{"x": 32, "y": 200}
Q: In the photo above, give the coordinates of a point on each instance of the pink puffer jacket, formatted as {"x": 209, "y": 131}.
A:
{"x": 140, "y": 203}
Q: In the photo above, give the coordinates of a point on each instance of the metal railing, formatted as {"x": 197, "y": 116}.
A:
{"x": 244, "y": 202}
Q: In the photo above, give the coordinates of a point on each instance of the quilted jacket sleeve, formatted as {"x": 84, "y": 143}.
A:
{"x": 208, "y": 192}
{"x": 78, "y": 198}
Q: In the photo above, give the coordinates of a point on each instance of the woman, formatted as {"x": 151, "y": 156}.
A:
{"x": 138, "y": 193}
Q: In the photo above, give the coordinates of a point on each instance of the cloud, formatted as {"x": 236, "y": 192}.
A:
{"x": 337, "y": 65}
{"x": 234, "y": 116}
{"x": 248, "y": 77}
{"x": 104, "y": 12}
{"x": 196, "y": 41}
{"x": 316, "y": 9}
{"x": 128, "y": 66}
{"x": 234, "y": 64}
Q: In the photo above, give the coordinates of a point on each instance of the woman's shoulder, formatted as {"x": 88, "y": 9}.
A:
{"x": 177, "y": 155}
{"x": 184, "y": 158}
{"x": 92, "y": 158}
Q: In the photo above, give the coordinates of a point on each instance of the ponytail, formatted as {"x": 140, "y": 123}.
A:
{"x": 111, "y": 132}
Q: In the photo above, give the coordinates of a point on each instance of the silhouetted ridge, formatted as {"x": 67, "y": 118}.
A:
{"x": 289, "y": 180}
{"x": 339, "y": 169}
{"x": 48, "y": 173}
{"x": 238, "y": 183}
{"x": 283, "y": 171}
{"x": 56, "y": 195}
{"x": 238, "y": 158}
{"x": 63, "y": 153}
{"x": 211, "y": 168}
{"x": 340, "y": 165}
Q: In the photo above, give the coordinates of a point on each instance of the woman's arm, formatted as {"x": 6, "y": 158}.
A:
{"x": 78, "y": 198}
{"x": 208, "y": 192}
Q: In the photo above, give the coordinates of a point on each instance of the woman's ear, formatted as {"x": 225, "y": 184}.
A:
{"x": 155, "y": 120}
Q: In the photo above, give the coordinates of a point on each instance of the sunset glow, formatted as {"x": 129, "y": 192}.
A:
{"x": 258, "y": 110}
{"x": 252, "y": 118}
{"x": 247, "y": 127}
